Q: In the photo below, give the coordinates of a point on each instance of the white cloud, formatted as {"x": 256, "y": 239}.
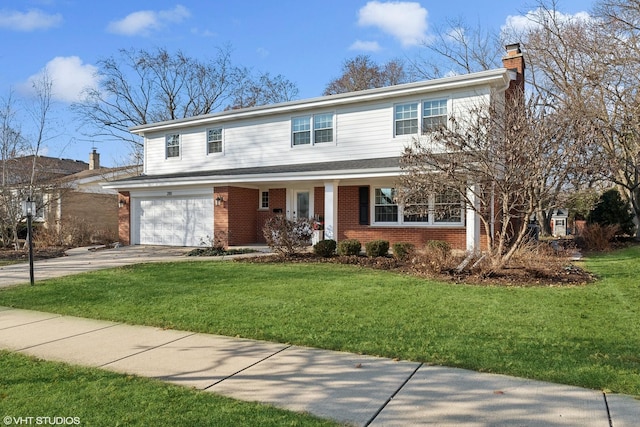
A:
{"x": 69, "y": 78}
{"x": 146, "y": 21}
{"x": 519, "y": 23}
{"x": 365, "y": 46}
{"x": 406, "y": 21}
{"x": 28, "y": 21}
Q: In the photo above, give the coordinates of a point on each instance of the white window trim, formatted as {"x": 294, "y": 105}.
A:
{"x": 206, "y": 136}
{"x": 260, "y": 207}
{"x": 166, "y": 147}
{"x": 401, "y": 222}
{"x": 312, "y": 130}
{"x": 420, "y": 115}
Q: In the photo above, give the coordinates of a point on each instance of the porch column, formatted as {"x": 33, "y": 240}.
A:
{"x": 331, "y": 210}
{"x": 473, "y": 221}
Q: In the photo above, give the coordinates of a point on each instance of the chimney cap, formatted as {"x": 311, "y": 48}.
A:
{"x": 513, "y": 48}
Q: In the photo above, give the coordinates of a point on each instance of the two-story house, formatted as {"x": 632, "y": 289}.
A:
{"x": 334, "y": 157}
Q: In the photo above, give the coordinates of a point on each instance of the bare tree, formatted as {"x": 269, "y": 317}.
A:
{"x": 139, "y": 87}
{"x": 458, "y": 48}
{"x": 22, "y": 176}
{"x": 263, "y": 90}
{"x": 499, "y": 158}
{"x": 362, "y": 73}
{"x": 590, "y": 68}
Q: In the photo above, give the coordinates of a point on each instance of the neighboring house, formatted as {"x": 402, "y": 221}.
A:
{"x": 334, "y": 157}
{"x": 560, "y": 222}
{"x": 70, "y": 191}
{"x": 81, "y": 198}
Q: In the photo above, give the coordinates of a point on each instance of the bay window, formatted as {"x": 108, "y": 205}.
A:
{"x": 442, "y": 208}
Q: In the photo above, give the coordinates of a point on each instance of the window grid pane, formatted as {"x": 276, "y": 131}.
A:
{"x": 173, "y": 145}
{"x": 385, "y": 210}
{"x": 323, "y": 128}
{"x": 214, "y": 140}
{"x": 264, "y": 201}
{"x": 434, "y": 115}
{"x": 447, "y": 207}
{"x": 301, "y": 128}
{"x": 406, "y": 118}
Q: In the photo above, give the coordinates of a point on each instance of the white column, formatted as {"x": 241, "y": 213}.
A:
{"x": 473, "y": 222}
{"x": 331, "y": 210}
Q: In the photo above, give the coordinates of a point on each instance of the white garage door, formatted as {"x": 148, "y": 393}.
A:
{"x": 175, "y": 221}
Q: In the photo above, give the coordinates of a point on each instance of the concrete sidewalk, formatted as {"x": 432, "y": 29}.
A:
{"x": 353, "y": 389}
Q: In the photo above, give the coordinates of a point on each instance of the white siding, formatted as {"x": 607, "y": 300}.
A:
{"x": 362, "y": 131}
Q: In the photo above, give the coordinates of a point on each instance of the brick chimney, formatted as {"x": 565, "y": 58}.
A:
{"x": 94, "y": 160}
{"x": 514, "y": 61}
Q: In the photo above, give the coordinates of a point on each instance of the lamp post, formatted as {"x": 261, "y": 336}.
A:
{"x": 28, "y": 209}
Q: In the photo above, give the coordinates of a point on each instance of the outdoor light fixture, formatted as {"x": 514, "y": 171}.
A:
{"x": 219, "y": 200}
{"x": 28, "y": 210}
{"x": 122, "y": 203}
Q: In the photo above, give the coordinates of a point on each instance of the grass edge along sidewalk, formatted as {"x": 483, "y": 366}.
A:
{"x": 577, "y": 335}
{"x": 89, "y": 396}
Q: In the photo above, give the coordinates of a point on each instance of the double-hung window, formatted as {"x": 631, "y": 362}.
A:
{"x": 301, "y": 129}
{"x": 406, "y": 119}
{"x": 173, "y": 145}
{"x": 385, "y": 205}
{"x": 434, "y": 115}
{"x": 214, "y": 140}
{"x": 447, "y": 207}
{"x": 323, "y": 128}
{"x": 302, "y": 133}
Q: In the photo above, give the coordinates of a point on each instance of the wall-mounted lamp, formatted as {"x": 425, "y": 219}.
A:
{"x": 122, "y": 203}
{"x": 219, "y": 200}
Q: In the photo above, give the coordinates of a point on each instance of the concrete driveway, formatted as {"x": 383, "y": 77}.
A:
{"x": 80, "y": 260}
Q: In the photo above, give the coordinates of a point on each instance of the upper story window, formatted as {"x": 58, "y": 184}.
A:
{"x": 323, "y": 128}
{"x": 406, "y": 119}
{"x": 214, "y": 140}
{"x": 301, "y": 129}
{"x": 173, "y": 145}
{"x": 434, "y": 115}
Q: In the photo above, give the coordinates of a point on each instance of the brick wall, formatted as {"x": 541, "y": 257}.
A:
{"x": 243, "y": 215}
{"x": 277, "y": 200}
{"x": 124, "y": 218}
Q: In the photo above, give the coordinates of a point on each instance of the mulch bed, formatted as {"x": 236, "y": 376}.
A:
{"x": 38, "y": 254}
{"x": 560, "y": 274}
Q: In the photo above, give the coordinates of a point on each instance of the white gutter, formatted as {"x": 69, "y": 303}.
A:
{"x": 154, "y": 182}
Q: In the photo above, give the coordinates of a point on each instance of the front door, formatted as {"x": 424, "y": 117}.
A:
{"x": 299, "y": 203}
{"x": 301, "y": 208}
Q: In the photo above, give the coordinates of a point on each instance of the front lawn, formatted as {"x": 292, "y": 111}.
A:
{"x": 71, "y": 395}
{"x": 580, "y": 335}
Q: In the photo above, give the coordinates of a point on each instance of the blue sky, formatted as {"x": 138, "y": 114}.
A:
{"x": 306, "y": 41}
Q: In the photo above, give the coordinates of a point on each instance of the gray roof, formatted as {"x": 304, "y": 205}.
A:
{"x": 345, "y": 165}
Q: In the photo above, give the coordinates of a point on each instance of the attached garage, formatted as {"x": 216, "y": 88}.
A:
{"x": 172, "y": 220}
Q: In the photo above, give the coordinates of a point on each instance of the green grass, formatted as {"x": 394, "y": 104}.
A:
{"x": 35, "y": 388}
{"x": 580, "y": 335}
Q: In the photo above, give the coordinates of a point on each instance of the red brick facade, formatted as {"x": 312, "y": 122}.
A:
{"x": 124, "y": 218}
{"x": 241, "y": 217}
